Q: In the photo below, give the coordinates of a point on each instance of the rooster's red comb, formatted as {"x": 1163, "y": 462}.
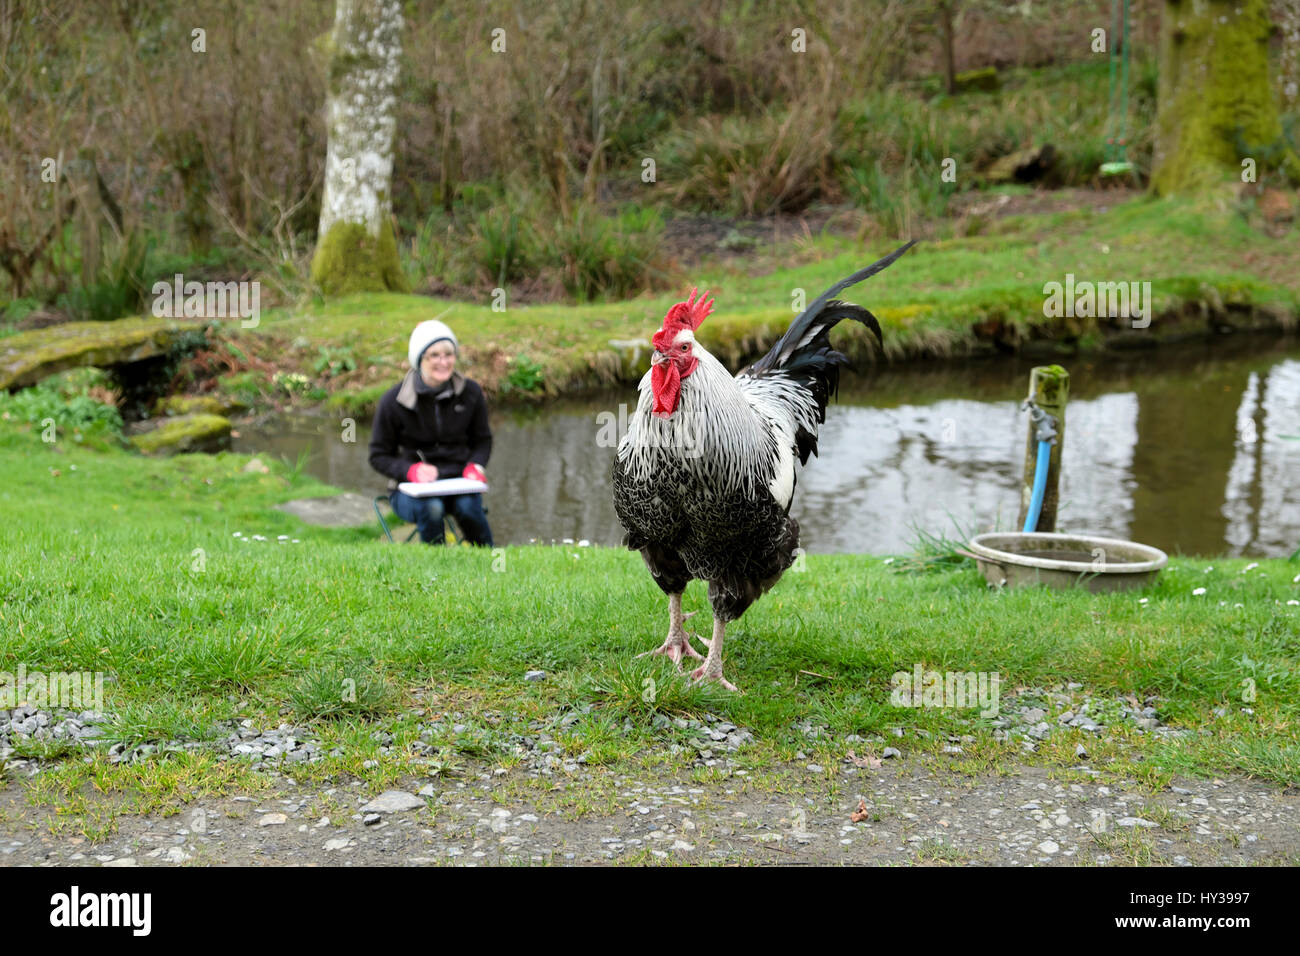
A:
{"x": 689, "y": 314}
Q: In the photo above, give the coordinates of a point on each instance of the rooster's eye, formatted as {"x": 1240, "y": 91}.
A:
{"x": 684, "y": 346}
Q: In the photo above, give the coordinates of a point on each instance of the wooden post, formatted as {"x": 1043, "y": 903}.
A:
{"x": 1049, "y": 389}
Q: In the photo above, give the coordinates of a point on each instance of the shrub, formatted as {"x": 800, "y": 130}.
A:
{"x": 778, "y": 161}
{"x": 601, "y": 256}
{"x": 75, "y": 413}
{"x": 502, "y": 243}
{"x": 525, "y": 376}
{"x": 118, "y": 287}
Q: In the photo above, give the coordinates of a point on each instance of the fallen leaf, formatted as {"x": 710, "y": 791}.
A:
{"x": 861, "y": 813}
{"x": 866, "y": 761}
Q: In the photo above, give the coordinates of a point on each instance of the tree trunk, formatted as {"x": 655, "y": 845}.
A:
{"x": 187, "y": 157}
{"x": 1288, "y": 17}
{"x": 1216, "y": 104}
{"x": 356, "y": 250}
{"x": 949, "y": 58}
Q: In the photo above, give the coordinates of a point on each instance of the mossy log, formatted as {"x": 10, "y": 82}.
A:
{"x": 185, "y": 433}
{"x": 29, "y": 357}
{"x": 177, "y": 405}
{"x": 985, "y": 79}
{"x": 1024, "y": 166}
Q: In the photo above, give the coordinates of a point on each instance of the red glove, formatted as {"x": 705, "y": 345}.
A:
{"x": 412, "y": 473}
{"x": 474, "y": 472}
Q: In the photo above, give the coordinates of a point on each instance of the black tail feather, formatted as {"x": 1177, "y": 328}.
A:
{"x": 823, "y": 314}
{"x": 804, "y": 352}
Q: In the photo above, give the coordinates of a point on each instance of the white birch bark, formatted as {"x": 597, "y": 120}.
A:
{"x": 361, "y": 113}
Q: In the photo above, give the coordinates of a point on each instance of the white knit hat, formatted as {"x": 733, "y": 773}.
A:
{"x": 425, "y": 334}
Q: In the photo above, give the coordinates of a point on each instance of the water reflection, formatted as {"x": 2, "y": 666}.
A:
{"x": 1261, "y": 500}
{"x": 1189, "y": 452}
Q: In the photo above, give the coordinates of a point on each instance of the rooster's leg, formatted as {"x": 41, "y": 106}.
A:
{"x": 712, "y": 667}
{"x": 678, "y": 643}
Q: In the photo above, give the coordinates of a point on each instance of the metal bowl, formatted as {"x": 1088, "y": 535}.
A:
{"x": 1017, "y": 559}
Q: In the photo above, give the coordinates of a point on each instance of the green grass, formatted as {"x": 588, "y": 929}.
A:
{"x": 130, "y": 566}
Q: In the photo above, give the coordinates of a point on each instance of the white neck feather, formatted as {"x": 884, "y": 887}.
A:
{"x": 715, "y": 432}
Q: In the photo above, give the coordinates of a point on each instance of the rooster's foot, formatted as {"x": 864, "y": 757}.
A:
{"x": 675, "y": 648}
{"x": 702, "y": 673}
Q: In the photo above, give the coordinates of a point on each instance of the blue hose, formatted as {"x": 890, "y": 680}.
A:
{"x": 1040, "y": 486}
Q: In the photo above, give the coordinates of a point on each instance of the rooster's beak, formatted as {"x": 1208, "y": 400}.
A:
{"x": 656, "y": 357}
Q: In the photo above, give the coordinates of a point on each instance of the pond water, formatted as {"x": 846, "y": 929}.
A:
{"x": 1192, "y": 449}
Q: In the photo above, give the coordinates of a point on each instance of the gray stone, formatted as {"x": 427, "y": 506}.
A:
{"x": 535, "y": 676}
{"x": 348, "y": 510}
{"x": 393, "y": 801}
{"x": 889, "y": 752}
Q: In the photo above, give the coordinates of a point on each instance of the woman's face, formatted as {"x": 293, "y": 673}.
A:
{"x": 437, "y": 363}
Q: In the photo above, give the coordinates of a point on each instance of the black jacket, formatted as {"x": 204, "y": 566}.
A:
{"x": 450, "y": 432}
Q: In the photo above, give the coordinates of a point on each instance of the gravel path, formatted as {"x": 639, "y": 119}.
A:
{"x": 549, "y": 806}
{"x": 911, "y": 815}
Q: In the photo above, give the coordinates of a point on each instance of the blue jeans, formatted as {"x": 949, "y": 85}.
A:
{"x": 427, "y": 515}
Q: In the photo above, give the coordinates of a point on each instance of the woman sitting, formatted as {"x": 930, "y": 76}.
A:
{"x": 432, "y": 425}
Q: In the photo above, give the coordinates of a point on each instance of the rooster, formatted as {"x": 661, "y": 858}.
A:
{"x": 705, "y": 474}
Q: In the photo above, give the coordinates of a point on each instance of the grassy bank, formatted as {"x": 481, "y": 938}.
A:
{"x": 132, "y": 567}
{"x": 1209, "y": 269}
